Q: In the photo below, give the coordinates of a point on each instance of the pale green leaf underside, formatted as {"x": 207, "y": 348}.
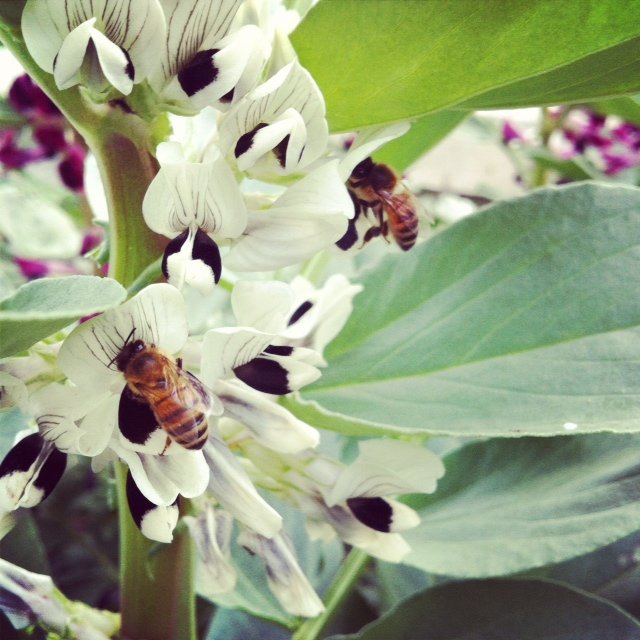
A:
{"x": 522, "y": 319}
{"x": 380, "y": 61}
{"x": 42, "y": 307}
{"x": 509, "y": 505}
{"x": 500, "y": 609}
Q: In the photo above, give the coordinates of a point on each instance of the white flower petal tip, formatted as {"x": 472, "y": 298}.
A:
{"x": 234, "y": 490}
{"x": 30, "y": 472}
{"x": 388, "y": 467}
{"x": 279, "y": 127}
{"x": 310, "y": 216}
{"x": 156, "y": 522}
{"x": 263, "y": 305}
{"x": 211, "y": 532}
{"x": 156, "y": 316}
{"x": 284, "y": 576}
{"x": 95, "y": 44}
{"x": 13, "y": 391}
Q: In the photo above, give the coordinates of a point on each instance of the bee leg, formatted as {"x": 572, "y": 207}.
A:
{"x": 371, "y": 233}
{"x": 166, "y": 446}
{"x": 384, "y": 231}
{"x": 179, "y": 363}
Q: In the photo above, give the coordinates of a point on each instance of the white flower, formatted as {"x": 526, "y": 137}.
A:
{"x": 193, "y": 202}
{"x": 279, "y": 127}
{"x": 284, "y": 576}
{"x": 91, "y": 357}
{"x": 95, "y": 42}
{"x": 203, "y": 62}
{"x": 308, "y": 217}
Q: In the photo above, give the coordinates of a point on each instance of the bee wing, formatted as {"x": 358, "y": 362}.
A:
{"x": 213, "y": 405}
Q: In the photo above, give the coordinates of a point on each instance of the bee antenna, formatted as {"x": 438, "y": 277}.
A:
{"x": 125, "y": 343}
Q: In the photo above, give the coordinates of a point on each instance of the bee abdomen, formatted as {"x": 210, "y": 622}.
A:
{"x": 191, "y": 432}
{"x": 406, "y": 233}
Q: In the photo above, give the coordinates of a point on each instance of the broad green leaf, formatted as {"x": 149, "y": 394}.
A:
{"x": 509, "y": 505}
{"x": 42, "y": 307}
{"x": 381, "y": 61}
{"x": 611, "y": 572}
{"x": 521, "y": 319}
{"x": 501, "y": 609}
{"x": 423, "y": 135}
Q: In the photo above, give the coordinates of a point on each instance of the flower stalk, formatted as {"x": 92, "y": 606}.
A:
{"x": 342, "y": 586}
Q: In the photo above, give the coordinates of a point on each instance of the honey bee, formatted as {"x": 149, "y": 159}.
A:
{"x": 376, "y": 188}
{"x": 178, "y": 400}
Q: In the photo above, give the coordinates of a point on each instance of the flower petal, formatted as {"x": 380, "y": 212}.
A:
{"x": 156, "y": 522}
{"x": 162, "y": 478}
{"x": 211, "y": 532}
{"x": 200, "y": 194}
{"x": 286, "y": 580}
{"x": 234, "y": 490}
{"x": 262, "y": 305}
{"x": 386, "y": 468}
{"x": 30, "y": 472}
{"x": 272, "y": 425}
{"x": 310, "y": 216}
{"x": 68, "y": 61}
{"x": 156, "y": 316}
{"x": 290, "y": 88}
{"x": 114, "y": 62}
{"x": 226, "y": 348}
{"x": 192, "y": 259}
{"x": 192, "y": 26}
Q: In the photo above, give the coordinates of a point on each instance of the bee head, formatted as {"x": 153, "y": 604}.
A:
{"x": 127, "y": 352}
{"x": 362, "y": 169}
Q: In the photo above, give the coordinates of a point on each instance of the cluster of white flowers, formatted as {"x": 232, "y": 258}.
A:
{"x": 265, "y": 120}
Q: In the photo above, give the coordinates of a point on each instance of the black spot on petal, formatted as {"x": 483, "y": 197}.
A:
{"x": 173, "y": 247}
{"x": 245, "y": 141}
{"x": 279, "y": 350}
{"x": 264, "y": 375}
{"x": 199, "y": 73}
{"x": 135, "y": 418}
{"x": 299, "y": 312}
{"x": 22, "y": 455}
{"x": 129, "y": 70}
{"x": 227, "y": 97}
{"x": 51, "y": 472}
{"x": 374, "y": 512}
{"x": 205, "y": 249}
{"x": 280, "y": 151}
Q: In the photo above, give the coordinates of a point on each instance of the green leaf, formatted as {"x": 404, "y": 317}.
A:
{"x": 496, "y": 609}
{"x": 423, "y": 135}
{"x": 627, "y": 108}
{"x": 42, "y": 307}
{"x": 510, "y": 505}
{"x": 379, "y": 61}
{"x": 521, "y": 319}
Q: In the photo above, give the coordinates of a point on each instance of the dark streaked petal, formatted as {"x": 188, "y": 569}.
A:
{"x": 374, "y": 512}
{"x": 30, "y": 472}
{"x": 155, "y": 522}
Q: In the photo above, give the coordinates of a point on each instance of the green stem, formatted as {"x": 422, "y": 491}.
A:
{"x": 346, "y": 579}
{"x": 157, "y": 595}
{"x": 157, "y": 588}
